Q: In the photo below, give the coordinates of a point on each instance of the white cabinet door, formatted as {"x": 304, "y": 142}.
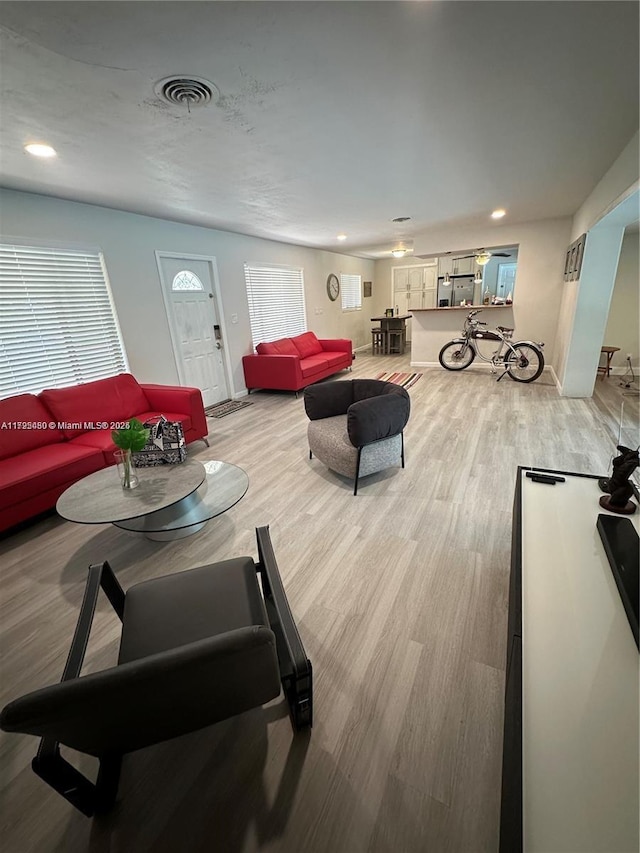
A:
{"x": 430, "y": 278}
{"x": 445, "y": 265}
{"x": 430, "y": 298}
{"x": 464, "y": 266}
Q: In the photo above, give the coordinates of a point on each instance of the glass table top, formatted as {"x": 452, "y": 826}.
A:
{"x": 223, "y": 486}
{"x": 168, "y": 497}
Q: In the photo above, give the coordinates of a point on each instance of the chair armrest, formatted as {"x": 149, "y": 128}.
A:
{"x": 337, "y": 345}
{"x": 181, "y": 400}
{"x": 327, "y": 401}
{"x": 376, "y": 418}
{"x": 100, "y": 576}
{"x": 272, "y": 371}
{"x": 295, "y": 666}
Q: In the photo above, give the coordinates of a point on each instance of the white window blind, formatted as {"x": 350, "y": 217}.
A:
{"x": 57, "y": 321}
{"x": 276, "y": 302}
{"x": 351, "y": 290}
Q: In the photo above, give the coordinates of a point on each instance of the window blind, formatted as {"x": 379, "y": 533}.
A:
{"x": 351, "y": 290}
{"x": 57, "y": 320}
{"x": 276, "y": 302}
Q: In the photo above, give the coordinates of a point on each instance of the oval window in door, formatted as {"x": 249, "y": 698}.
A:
{"x": 186, "y": 280}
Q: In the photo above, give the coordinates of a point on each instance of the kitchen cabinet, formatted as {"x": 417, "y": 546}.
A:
{"x": 456, "y": 266}
{"x": 415, "y": 287}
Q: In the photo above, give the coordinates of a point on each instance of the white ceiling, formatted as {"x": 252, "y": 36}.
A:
{"x": 332, "y": 116}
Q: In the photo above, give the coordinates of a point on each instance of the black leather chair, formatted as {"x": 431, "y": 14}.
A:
{"x": 196, "y": 647}
{"x": 356, "y": 425}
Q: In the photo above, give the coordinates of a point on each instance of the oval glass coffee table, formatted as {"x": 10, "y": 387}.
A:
{"x": 170, "y": 501}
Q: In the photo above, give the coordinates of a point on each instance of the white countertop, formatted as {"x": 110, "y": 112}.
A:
{"x": 580, "y": 679}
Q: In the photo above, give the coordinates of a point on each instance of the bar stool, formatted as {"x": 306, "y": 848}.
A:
{"x": 378, "y": 342}
{"x": 395, "y": 341}
{"x": 605, "y": 370}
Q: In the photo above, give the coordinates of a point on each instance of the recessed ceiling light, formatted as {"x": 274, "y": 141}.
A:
{"x": 40, "y": 150}
{"x": 401, "y": 219}
{"x": 498, "y": 214}
{"x": 342, "y": 237}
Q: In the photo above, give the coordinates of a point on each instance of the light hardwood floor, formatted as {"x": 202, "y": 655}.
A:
{"x": 400, "y": 595}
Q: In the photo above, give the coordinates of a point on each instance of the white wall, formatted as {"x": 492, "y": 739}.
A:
{"x": 129, "y": 241}
{"x": 617, "y": 185}
{"x": 591, "y": 310}
{"x": 539, "y": 279}
{"x": 624, "y": 313}
{"x": 617, "y": 182}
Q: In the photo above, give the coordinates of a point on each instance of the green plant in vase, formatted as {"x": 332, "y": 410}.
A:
{"x": 130, "y": 439}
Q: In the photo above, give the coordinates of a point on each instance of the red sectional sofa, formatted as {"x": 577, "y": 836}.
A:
{"x": 291, "y": 364}
{"x": 49, "y": 441}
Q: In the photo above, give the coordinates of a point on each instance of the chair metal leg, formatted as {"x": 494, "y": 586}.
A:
{"x": 53, "y": 769}
{"x": 107, "y": 783}
{"x": 296, "y": 674}
{"x": 71, "y": 784}
{"x": 310, "y": 455}
{"x": 402, "y": 445}
{"x": 206, "y": 441}
{"x": 355, "y": 485}
{"x": 299, "y": 695}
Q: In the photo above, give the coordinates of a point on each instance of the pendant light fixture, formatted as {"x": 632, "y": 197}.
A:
{"x": 478, "y": 276}
{"x": 447, "y": 280}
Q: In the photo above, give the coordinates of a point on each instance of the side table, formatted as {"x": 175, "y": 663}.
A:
{"x": 605, "y": 370}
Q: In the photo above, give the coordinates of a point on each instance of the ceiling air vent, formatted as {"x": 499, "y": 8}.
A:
{"x": 186, "y": 91}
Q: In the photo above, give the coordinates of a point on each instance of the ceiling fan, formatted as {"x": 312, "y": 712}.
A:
{"x": 483, "y": 256}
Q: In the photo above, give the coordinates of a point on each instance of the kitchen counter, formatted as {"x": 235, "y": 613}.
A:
{"x": 432, "y": 328}
{"x": 463, "y": 308}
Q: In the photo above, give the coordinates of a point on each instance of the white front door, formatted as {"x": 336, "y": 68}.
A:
{"x": 191, "y": 296}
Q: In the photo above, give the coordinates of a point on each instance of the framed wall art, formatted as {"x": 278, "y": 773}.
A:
{"x": 573, "y": 259}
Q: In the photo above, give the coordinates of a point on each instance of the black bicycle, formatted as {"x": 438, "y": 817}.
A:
{"x": 522, "y": 360}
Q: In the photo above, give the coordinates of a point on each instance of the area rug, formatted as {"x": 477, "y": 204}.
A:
{"x": 404, "y": 379}
{"x": 225, "y": 408}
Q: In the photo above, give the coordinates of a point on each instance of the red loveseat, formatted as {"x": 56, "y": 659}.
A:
{"x": 290, "y": 364}
{"x": 49, "y": 441}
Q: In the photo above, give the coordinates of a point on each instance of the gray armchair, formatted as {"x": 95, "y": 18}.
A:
{"x": 356, "y": 426}
{"x": 196, "y": 647}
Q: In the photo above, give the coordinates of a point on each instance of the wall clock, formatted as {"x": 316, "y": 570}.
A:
{"x": 333, "y": 287}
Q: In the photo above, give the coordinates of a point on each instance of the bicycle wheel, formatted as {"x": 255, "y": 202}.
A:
{"x": 456, "y": 355}
{"x": 524, "y": 363}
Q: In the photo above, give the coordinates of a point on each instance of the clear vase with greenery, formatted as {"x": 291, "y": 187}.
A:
{"x": 130, "y": 440}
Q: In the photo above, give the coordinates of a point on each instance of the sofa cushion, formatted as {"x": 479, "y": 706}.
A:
{"x": 335, "y": 359}
{"x": 117, "y": 398}
{"x": 45, "y": 468}
{"x": 313, "y": 365}
{"x": 28, "y": 410}
{"x": 307, "y": 344}
{"x": 284, "y": 346}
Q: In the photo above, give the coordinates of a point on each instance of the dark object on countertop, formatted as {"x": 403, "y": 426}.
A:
{"x": 539, "y": 477}
{"x": 618, "y": 486}
{"x": 620, "y": 540}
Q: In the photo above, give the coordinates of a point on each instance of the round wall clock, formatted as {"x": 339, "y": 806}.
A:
{"x": 333, "y": 287}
